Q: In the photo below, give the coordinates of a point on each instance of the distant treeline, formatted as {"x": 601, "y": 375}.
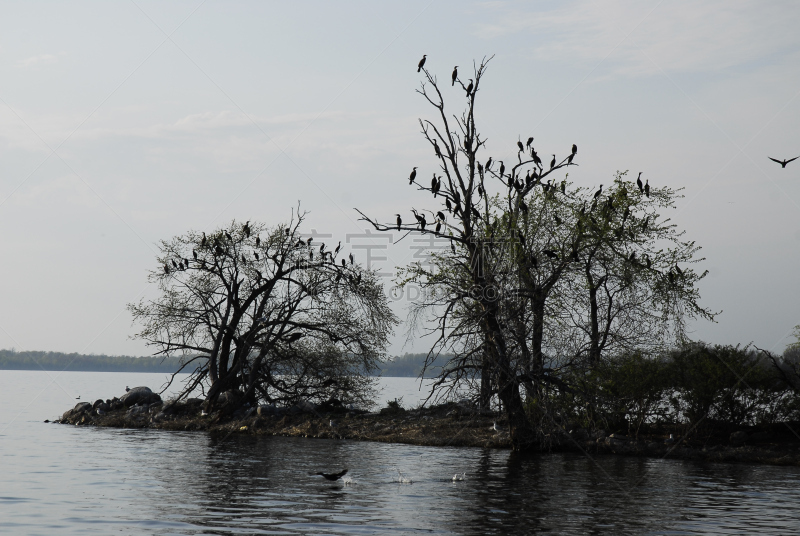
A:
{"x": 408, "y": 365}
{"x": 33, "y": 360}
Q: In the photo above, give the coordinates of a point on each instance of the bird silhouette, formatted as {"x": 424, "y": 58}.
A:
{"x": 519, "y": 144}
{"x": 448, "y": 204}
{"x": 421, "y": 62}
{"x": 203, "y": 241}
{"x": 639, "y": 183}
{"x": 455, "y": 75}
{"x": 469, "y": 88}
{"x": 488, "y": 164}
{"x": 246, "y": 229}
{"x": 436, "y": 148}
{"x": 338, "y": 248}
{"x": 352, "y": 259}
{"x": 399, "y": 221}
{"x": 783, "y": 162}
{"x": 412, "y": 176}
{"x": 528, "y": 143}
{"x": 553, "y": 162}
{"x": 440, "y": 215}
{"x": 598, "y": 192}
{"x": 647, "y": 188}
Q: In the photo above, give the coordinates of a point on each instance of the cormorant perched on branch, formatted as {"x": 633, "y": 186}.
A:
{"x": 343, "y": 263}
{"x": 440, "y": 215}
{"x": 399, "y": 222}
{"x": 639, "y": 183}
{"x": 166, "y": 269}
{"x": 412, "y": 176}
{"x": 338, "y": 248}
{"x": 647, "y": 188}
{"x": 228, "y": 236}
{"x": 421, "y": 62}
{"x": 677, "y": 269}
{"x": 502, "y": 168}
{"x": 598, "y": 192}
{"x": 203, "y": 241}
{"x": 352, "y": 259}
{"x": 528, "y": 143}
{"x": 488, "y": 164}
{"x": 308, "y": 242}
{"x": 448, "y": 204}
{"x": 438, "y": 227}
{"x": 436, "y": 148}
{"x": 256, "y": 256}
{"x": 783, "y": 162}
{"x": 455, "y": 75}
{"x": 519, "y": 144}
{"x": 572, "y": 155}
{"x": 553, "y": 162}
{"x": 434, "y": 185}
{"x": 246, "y": 229}
{"x": 469, "y": 88}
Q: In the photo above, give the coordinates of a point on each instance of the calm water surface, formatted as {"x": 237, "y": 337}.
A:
{"x": 68, "y": 480}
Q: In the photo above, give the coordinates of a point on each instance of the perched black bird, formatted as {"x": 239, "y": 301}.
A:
{"x": 399, "y": 223}
{"x": 294, "y": 337}
{"x": 308, "y": 242}
{"x": 436, "y": 148}
{"x": 783, "y": 162}
{"x": 598, "y": 192}
{"x": 412, "y": 176}
{"x": 488, "y": 164}
{"x": 502, "y": 168}
{"x": 647, "y": 188}
{"x": 677, "y": 269}
{"x": 553, "y": 162}
{"x": 421, "y": 62}
{"x": 438, "y": 226}
{"x": 528, "y": 143}
{"x": 564, "y": 187}
{"x": 246, "y": 229}
{"x": 574, "y": 149}
{"x": 639, "y": 183}
{"x": 536, "y": 159}
{"x": 455, "y": 75}
{"x": 440, "y": 215}
{"x": 343, "y": 263}
{"x": 258, "y": 241}
{"x": 448, "y": 204}
{"x": 352, "y": 259}
{"x": 338, "y": 248}
{"x": 469, "y": 88}
{"x": 434, "y": 185}
{"x": 256, "y": 256}
{"x": 203, "y": 242}
{"x": 519, "y": 144}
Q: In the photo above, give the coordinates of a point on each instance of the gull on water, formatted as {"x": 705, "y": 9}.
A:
{"x": 459, "y": 477}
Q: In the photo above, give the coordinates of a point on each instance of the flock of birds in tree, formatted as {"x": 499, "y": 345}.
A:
{"x": 218, "y": 247}
{"x": 453, "y": 202}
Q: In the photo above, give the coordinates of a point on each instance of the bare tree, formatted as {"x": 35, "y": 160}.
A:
{"x": 266, "y": 314}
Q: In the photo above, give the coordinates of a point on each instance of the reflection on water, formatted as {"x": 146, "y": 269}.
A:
{"x": 71, "y": 480}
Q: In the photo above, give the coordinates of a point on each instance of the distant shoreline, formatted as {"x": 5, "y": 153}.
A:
{"x": 407, "y": 366}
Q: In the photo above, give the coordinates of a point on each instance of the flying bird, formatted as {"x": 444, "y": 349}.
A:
{"x": 783, "y": 162}
{"x": 455, "y": 75}
{"x": 421, "y": 62}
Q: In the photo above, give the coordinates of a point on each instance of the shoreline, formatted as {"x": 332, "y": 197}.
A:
{"x": 449, "y": 424}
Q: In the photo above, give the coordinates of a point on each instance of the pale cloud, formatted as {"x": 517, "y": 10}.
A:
{"x": 638, "y": 38}
{"x": 41, "y": 59}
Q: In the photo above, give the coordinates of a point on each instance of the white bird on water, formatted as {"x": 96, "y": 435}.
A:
{"x": 458, "y": 478}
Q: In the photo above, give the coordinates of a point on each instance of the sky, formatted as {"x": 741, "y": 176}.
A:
{"x": 126, "y": 123}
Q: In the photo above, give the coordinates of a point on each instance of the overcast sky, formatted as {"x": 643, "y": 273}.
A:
{"x": 125, "y": 123}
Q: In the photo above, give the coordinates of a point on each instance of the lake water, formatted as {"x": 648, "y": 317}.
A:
{"x": 59, "y": 479}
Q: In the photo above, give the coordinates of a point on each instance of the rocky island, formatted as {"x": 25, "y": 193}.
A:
{"x": 451, "y": 424}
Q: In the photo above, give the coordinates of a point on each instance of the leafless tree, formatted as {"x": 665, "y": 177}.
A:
{"x": 264, "y": 313}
